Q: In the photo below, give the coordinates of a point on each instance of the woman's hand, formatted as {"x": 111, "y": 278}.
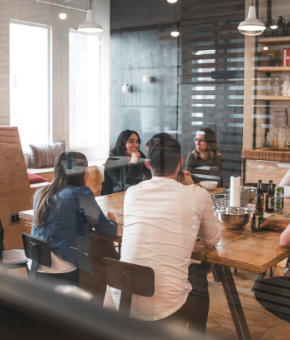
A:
{"x": 135, "y": 156}
{"x": 111, "y": 216}
{"x": 185, "y": 178}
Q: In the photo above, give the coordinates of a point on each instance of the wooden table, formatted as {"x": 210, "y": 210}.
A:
{"x": 241, "y": 249}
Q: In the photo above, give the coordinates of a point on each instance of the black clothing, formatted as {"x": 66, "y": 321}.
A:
{"x": 204, "y": 169}
{"x": 120, "y": 174}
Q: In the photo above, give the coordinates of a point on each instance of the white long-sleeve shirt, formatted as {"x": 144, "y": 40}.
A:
{"x": 161, "y": 221}
{"x": 285, "y": 183}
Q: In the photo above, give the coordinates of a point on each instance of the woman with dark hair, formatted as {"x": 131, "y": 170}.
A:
{"x": 64, "y": 213}
{"x": 125, "y": 165}
{"x": 205, "y": 161}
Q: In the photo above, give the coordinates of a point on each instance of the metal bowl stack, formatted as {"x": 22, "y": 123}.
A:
{"x": 248, "y": 195}
{"x": 220, "y": 201}
{"x": 234, "y": 217}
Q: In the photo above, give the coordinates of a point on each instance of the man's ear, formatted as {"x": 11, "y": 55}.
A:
{"x": 147, "y": 164}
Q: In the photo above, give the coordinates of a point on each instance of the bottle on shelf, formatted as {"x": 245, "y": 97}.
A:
{"x": 279, "y": 198}
{"x": 281, "y": 30}
{"x": 269, "y": 203}
{"x": 288, "y": 27}
{"x": 259, "y": 208}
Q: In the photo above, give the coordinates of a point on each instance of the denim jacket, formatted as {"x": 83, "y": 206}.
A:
{"x": 72, "y": 213}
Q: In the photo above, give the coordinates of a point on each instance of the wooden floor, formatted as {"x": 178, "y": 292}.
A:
{"x": 262, "y": 324}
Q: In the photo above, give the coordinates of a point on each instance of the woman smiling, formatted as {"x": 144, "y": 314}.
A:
{"x": 125, "y": 165}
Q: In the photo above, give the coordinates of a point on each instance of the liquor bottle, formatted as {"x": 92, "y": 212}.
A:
{"x": 281, "y": 30}
{"x": 279, "y": 198}
{"x": 269, "y": 206}
{"x": 259, "y": 208}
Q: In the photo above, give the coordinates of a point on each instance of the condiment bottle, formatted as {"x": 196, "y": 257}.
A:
{"x": 259, "y": 208}
{"x": 269, "y": 203}
{"x": 279, "y": 198}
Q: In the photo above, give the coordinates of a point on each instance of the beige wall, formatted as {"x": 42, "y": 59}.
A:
{"x": 30, "y": 11}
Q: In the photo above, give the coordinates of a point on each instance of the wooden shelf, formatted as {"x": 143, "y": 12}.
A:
{"x": 267, "y": 154}
{"x": 274, "y": 40}
{"x": 273, "y": 69}
{"x": 262, "y": 97}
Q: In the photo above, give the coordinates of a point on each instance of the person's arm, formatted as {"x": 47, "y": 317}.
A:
{"x": 190, "y": 162}
{"x": 285, "y": 237}
{"x": 114, "y": 169}
{"x": 136, "y": 171}
{"x": 95, "y": 217}
{"x": 210, "y": 229}
{"x": 285, "y": 183}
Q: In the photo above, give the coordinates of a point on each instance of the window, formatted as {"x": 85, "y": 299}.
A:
{"x": 85, "y": 91}
{"x": 30, "y": 82}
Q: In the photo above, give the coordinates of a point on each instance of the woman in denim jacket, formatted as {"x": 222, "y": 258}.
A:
{"x": 64, "y": 214}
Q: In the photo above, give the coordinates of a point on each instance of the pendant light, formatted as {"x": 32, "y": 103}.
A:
{"x": 90, "y": 26}
{"x": 252, "y": 26}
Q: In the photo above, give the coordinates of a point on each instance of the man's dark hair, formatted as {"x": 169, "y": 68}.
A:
{"x": 163, "y": 154}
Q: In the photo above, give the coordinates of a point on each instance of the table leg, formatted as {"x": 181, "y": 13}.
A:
{"x": 224, "y": 275}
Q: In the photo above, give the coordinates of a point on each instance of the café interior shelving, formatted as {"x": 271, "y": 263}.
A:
{"x": 267, "y": 69}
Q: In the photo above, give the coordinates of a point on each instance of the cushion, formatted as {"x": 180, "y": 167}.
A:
{"x": 43, "y": 155}
{"x": 94, "y": 180}
{"x": 36, "y": 178}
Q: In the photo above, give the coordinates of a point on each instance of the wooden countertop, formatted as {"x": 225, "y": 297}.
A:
{"x": 267, "y": 154}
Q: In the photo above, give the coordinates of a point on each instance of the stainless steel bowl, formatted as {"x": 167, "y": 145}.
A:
{"x": 234, "y": 217}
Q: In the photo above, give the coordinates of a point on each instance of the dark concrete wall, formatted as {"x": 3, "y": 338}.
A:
{"x": 146, "y": 49}
{"x": 138, "y": 13}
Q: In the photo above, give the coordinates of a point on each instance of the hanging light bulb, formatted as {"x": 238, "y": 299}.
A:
{"x": 273, "y": 25}
{"x": 251, "y": 26}
{"x": 172, "y": 1}
{"x": 90, "y": 26}
{"x": 62, "y": 15}
{"x": 175, "y": 33}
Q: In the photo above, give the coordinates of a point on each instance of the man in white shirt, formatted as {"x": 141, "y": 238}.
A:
{"x": 162, "y": 218}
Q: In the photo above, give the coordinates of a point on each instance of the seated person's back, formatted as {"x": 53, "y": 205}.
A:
{"x": 162, "y": 218}
{"x": 125, "y": 165}
{"x": 65, "y": 211}
{"x": 205, "y": 161}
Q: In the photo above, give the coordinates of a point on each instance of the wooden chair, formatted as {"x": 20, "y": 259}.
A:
{"x": 10, "y": 135}
{"x": 130, "y": 279}
{"x": 94, "y": 180}
{"x": 15, "y": 194}
{"x": 12, "y": 258}
{"x": 36, "y": 250}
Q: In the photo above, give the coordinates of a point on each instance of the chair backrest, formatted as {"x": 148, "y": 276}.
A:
{"x": 15, "y": 194}
{"x": 10, "y": 135}
{"x": 36, "y": 250}
{"x": 273, "y": 293}
{"x": 130, "y": 279}
{"x": 94, "y": 180}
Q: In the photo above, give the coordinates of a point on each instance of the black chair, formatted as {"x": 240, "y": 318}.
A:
{"x": 11, "y": 258}
{"x": 273, "y": 293}
{"x": 36, "y": 250}
{"x": 130, "y": 279}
